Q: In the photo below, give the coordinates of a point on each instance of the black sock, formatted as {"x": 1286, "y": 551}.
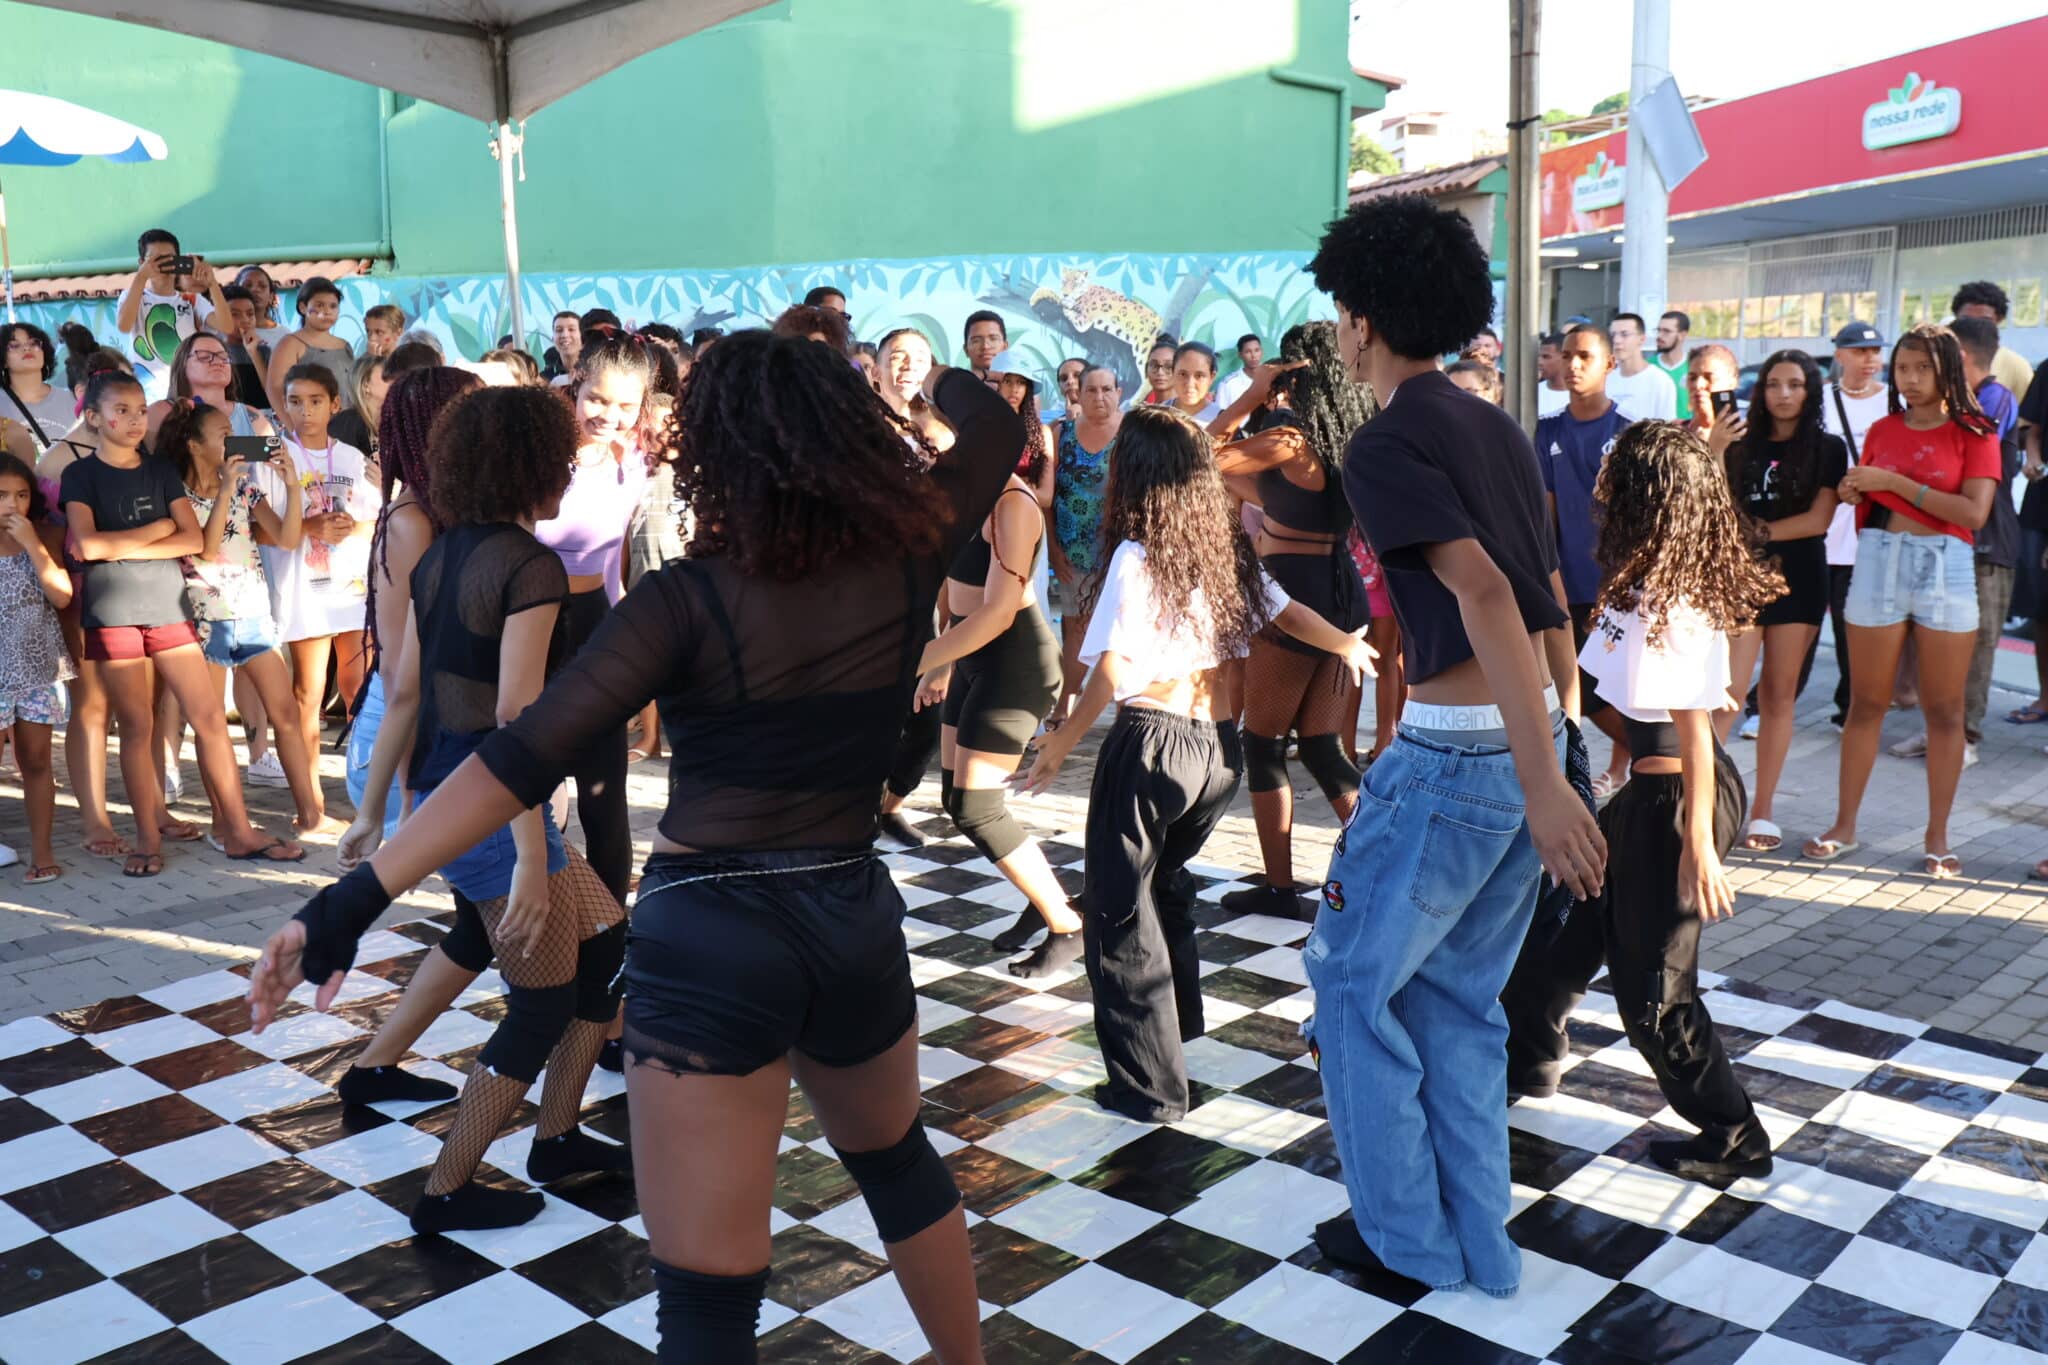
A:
{"x": 369, "y": 1084}
{"x": 573, "y": 1153}
{"x": 1048, "y": 957}
{"x": 475, "y": 1206}
{"x": 1029, "y": 922}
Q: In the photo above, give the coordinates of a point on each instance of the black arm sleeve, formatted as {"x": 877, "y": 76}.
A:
{"x": 989, "y": 438}
{"x": 336, "y": 920}
{"x": 643, "y": 646}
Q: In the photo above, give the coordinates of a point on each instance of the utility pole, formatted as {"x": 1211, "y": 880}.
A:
{"x": 1646, "y": 211}
{"x": 1525, "y": 222}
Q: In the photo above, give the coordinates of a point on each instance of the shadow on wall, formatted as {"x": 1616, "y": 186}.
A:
{"x": 1108, "y": 309}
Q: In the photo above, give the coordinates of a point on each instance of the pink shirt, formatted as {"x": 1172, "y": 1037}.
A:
{"x": 589, "y": 533}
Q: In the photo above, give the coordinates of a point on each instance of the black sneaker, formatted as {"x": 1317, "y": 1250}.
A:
{"x": 1281, "y": 902}
{"x": 1341, "y": 1245}
{"x": 1691, "y": 1159}
{"x": 897, "y": 830}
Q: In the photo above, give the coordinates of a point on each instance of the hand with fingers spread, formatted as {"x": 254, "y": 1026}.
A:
{"x": 318, "y": 944}
{"x": 1360, "y": 658}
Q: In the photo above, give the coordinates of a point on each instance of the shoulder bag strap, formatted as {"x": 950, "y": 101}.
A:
{"x": 1848, "y": 436}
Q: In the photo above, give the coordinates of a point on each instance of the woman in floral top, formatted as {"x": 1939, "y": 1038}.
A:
{"x": 225, "y": 583}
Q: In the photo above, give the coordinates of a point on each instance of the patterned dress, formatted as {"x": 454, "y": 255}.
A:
{"x": 1078, "y": 479}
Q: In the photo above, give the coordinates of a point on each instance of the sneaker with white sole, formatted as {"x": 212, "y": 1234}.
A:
{"x": 1750, "y": 725}
{"x": 267, "y": 772}
{"x": 1915, "y": 747}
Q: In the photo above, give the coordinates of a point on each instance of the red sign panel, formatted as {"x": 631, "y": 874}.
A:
{"x": 1974, "y": 99}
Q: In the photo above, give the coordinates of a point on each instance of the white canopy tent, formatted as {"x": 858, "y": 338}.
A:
{"x": 498, "y": 60}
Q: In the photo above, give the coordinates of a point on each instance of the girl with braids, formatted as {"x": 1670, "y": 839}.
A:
{"x": 1922, "y": 489}
{"x": 1681, "y": 576}
{"x": 1784, "y": 470}
{"x": 1290, "y": 471}
{"x": 767, "y": 937}
{"x": 405, "y": 528}
{"x": 589, "y": 533}
{"x": 1181, "y": 596}
{"x": 479, "y": 639}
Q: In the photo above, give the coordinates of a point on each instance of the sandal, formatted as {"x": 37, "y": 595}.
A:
{"x": 1828, "y": 850}
{"x": 2027, "y": 715}
{"x": 264, "y": 854}
{"x": 2040, "y": 872}
{"x": 143, "y": 865}
{"x": 1942, "y": 866}
{"x": 1762, "y": 836}
{"x": 43, "y": 873}
{"x": 1605, "y": 785}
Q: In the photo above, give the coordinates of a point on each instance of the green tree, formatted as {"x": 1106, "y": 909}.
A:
{"x": 1613, "y": 104}
{"x": 1551, "y": 116}
{"x": 1368, "y": 155}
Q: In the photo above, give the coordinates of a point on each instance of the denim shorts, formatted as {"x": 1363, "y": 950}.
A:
{"x": 485, "y": 872}
{"x": 362, "y": 741}
{"x": 1929, "y": 580}
{"x": 230, "y": 644}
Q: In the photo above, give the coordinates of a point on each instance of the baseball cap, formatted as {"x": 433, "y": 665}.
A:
{"x": 1857, "y": 336}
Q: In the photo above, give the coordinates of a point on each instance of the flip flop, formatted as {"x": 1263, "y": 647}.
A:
{"x": 43, "y": 873}
{"x": 1942, "y": 866}
{"x": 1831, "y": 850}
{"x": 2040, "y": 872}
{"x": 1762, "y": 836}
{"x": 1605, "y": 786}
{"x": 260, "y": 855}
{"x": 2027, "y": 715}
{"x": 143, "y": 865}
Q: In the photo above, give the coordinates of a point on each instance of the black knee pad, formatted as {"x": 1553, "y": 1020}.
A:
{"x": 985, "y": 819}
{"x": 706, "y": 1319}
{"x": 535, "y": 1019}
{"x": 466, "y": 944}
{"x": 1323, "y": 756}
{"x": 1265, "y": 762}
{"x": 907, "y": 1187}
{"x": 599, "y": 960}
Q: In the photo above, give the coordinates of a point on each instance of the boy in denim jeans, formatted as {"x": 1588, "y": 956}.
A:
{"x": 1433, "y": 884}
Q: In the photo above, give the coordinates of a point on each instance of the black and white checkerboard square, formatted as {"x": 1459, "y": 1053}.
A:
{"x": 174, "y": 1189}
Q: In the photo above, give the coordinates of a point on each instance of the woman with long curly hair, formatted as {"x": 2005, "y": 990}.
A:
{"x": 405, "y": 528}
{"x": 479, "y": 641}
{"x": 1784, "y": 470}
{"x": 1923, "y": 489}
{"x": 1682, "y": 575}
{"x": 1034, "y": 466}
{"x": 767, "y": 937}
{"x": 1181, "y": 596}
{"x": 1290, "y": 472}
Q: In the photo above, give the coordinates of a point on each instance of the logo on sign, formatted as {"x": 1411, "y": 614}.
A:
{"x": 1601, "y": 186}
{"x": 1916, "y": 111}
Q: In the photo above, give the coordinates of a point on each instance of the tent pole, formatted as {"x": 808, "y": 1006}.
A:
{"x": 504, "y": 146}
{"x": 6, "y": 258}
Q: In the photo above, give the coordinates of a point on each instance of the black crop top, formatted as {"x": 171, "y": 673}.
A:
{"x": 782, "y": 701}
{"x": 472, "y": 580}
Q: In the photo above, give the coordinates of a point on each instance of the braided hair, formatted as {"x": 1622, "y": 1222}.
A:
{"x": 789, "y": 464}
{"x": 1329, "y": 406}
{"x": 1945, "y": 353}
{"x": 414, "y": 400}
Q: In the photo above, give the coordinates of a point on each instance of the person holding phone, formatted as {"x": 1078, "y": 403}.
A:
{"x": 157, "y": 314}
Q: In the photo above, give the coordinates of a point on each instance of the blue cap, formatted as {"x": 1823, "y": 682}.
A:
{"x": 1858, "y": 336}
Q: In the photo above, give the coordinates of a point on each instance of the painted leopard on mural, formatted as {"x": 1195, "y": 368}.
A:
{"x": 1096, "y": 308}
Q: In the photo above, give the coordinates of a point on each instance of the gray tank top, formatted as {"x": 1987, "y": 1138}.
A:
{"x": 338, "y": 362}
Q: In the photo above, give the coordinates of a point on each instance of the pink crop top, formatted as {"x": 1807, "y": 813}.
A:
{"x": 589, "y": 532}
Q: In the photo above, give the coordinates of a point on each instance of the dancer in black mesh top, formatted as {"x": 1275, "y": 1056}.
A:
{"x": 767, "y": 936}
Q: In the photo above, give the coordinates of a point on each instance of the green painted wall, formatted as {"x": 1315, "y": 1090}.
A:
{"x": 815, "y": 130}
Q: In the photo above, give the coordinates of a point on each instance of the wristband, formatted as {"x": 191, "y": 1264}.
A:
{"x": 336, "y": 919}
{"x": 1919, "y": 497}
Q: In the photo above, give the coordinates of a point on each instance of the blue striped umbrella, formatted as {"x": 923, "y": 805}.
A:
{"x": 38, "y": 130}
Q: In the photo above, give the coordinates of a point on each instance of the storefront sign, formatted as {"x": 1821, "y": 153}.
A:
{"x": 1915, "y": 112}
{"x": 1600, "y": 186}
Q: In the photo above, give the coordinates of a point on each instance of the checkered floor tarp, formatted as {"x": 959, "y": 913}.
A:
{"x": 174, "y": 1189}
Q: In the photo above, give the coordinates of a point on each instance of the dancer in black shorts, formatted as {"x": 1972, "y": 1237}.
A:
{"x": 767, "y": 937}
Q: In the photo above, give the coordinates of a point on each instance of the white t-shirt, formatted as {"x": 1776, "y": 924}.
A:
{"x": 161, "y": 322}
{"x": 1126, "y": 622}
{"x": 321, "y": 589}
{"x": 1644, "y": 397}
{"x": 1232, "y": 386}
{"x": 1862, "y": 412}
{"x": 1551, "y": 401}
{"x": 1687, "y": 670}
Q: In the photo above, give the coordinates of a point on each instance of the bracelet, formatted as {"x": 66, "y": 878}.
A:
{"x": 1919, "y": 497}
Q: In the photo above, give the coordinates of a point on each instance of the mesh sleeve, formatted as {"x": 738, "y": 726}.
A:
{"x": 538, "y": 580}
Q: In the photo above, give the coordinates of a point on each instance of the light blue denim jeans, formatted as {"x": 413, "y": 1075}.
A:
{"x": 362, "y": 739}
{"x": 1429, "y": 897}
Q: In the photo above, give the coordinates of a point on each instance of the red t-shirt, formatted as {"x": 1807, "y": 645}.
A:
{"x": 1941, "y": 458}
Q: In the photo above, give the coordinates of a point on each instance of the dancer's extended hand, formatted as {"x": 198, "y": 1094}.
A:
{"x": 1360, "y": 658}
{"x": 278, "y": 971}
{"x": 931, "y": 689}
{"x": 358, "y": 842}
{"x": 526, "y": 907}
{"x": 1051, "y": 754}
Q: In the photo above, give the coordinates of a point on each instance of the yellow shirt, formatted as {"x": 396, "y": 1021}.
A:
{"x": 2011, "y": 369}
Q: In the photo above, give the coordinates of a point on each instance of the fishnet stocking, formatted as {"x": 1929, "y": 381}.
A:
{"x": 569, "y": 1066}
{"x": 488, "y": 1100}
{"x": 1326, "y": 703}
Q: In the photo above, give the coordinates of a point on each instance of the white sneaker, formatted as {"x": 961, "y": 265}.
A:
{"x": 1750, "y": 725}
{"x": 267, "y": 772}
{"x": 8, "y": 857}
{"x": 174, "y": 787}
{"x": 1916, "y": 747}
{"x": 1969, "y": 755}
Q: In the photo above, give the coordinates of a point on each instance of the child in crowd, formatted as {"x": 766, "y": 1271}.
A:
{"x": 319, "y": 590}
{"x": 33, "y": 662}
{"x": 383, "y": 325}
{"x": 314, "y": 343}
{"x": 129, "y": 522}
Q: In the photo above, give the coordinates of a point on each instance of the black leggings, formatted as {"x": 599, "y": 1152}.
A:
{"x": 1004, "y": 689}
{"x": 601, "y": 775}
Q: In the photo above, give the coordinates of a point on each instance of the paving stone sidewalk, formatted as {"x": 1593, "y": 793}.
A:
{"x": 1969, "y": 954}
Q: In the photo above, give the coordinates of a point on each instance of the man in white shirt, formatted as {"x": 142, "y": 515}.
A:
{"x": 156, "y": 314}
{"x": 1637, "y": 387}
{"x": 1552, "y": 394}
{"x": 1848, "y": 406}
{"x": 1250, "y": 352}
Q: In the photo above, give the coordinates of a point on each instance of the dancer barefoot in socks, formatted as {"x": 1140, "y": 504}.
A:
{"x": 1681, "y": 575}
{"x": 1181, "y": 596}
{"x": 485, "y": 601}
{"x": 1290, "y": 471}
{"x": 767, "y": 939}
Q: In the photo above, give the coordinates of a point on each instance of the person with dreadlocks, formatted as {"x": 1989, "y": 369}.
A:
{"x": 1290, "y": 472}
{"x": 478, "y": 643}
{"x": 1682, "y": 576}
{"x": 405, "y": 528}
{"x": 767, "y": 937}
{"x": 1181, "y": 596}
{"x": 1922, "y": 489}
